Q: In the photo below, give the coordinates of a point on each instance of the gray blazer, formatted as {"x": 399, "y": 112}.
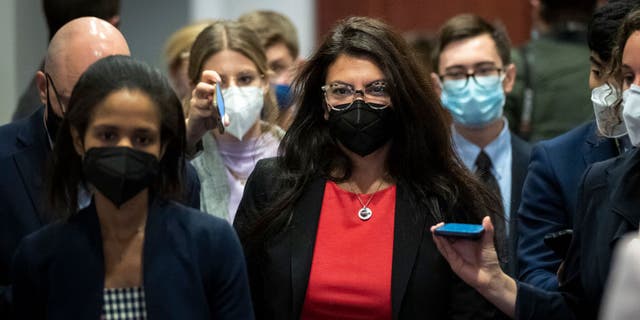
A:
{"x": 214, "y": 186}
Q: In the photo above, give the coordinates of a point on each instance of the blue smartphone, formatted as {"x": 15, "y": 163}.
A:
{"x": 460, "y": 230}
{"x": 220, "y": 105}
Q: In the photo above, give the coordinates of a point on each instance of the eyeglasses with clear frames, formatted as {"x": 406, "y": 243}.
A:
{"x": 340, "y": 96}
{"x": 458, "y": 78}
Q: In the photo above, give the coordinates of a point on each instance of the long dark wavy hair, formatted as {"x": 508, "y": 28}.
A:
{"x": 629, "y": 25}
{"x": 421, "y": 155}
{"x": 106, "y": 76}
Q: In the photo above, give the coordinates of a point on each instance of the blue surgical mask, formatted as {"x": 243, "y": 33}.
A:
{"x": 478, "y": 103}
{"x": 283, "y": 95}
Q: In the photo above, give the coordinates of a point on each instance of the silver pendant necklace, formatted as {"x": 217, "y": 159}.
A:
{"x": 365, "y": 212}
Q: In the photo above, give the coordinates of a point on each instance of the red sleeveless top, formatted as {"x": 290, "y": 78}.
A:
{"x": 351, "y": 267}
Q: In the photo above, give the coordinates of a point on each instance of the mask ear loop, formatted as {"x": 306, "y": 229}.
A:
{"x": 46, "y": 76}
{"x": 55, "y": 91}
{"x": 616, "y": 106}
{"x": 440, "y": 83}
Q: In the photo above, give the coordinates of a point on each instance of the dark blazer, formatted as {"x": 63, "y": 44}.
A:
{"x": 549, "y": 197}
{"x": 520, "y": 152}
{"x": 607, "y": 210}
{"x": 422, "y": 284}
{"x": 193, "y": 268}
{"x": 24, "y": 154}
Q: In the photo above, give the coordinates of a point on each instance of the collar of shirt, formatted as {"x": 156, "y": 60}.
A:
{"x": 498, "y": 150}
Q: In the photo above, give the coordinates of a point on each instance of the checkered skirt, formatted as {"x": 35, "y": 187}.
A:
{"x": 123, "y": 304}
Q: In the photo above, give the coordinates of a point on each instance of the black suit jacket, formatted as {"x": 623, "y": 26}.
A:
{"x": 24, "y": 154}
{"x": 520, "y": 152}
{"x": 608, "y": 203}
{"x": 24, "y": 148}
{"x": 422, "y": 284}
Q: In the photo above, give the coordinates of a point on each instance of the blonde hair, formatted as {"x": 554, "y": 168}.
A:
{"x": 177, "y": 47}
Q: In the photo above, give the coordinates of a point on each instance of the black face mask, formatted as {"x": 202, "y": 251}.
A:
{"x": 120, "y": 173}
{"x": 361, "y": 128}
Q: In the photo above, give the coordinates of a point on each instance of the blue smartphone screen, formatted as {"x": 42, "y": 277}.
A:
{"x": 220, "y": 104}
{"x": 460, "y": 230}
{"x": 219, "y": 101}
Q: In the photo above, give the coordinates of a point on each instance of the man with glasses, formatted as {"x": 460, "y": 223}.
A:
{"x": 474, "y": 72}
{"x": 57, "y": 13}
{"x": 25, "y": 145}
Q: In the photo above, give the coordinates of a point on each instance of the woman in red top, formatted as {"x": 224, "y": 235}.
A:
{"x": 338, "y": 226}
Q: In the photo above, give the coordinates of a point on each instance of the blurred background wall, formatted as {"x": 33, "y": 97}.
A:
{"x": 147, "y": 23}
{"x": 427, "y": 15}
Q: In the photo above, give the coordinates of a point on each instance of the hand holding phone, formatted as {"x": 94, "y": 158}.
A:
{"x": 202, "y": 117}
{"x": 460, "y": 230}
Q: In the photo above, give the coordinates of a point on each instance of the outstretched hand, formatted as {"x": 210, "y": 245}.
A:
{"x": 474, "y": 261}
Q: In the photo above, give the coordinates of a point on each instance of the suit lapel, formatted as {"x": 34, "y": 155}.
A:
{"x": 302, "y": 237}
{"x": 162, "y": 251}
{"x": 31, "y": 161}
{"x": 519, "y": 161}
{"x": 409, "y": 229}
{"x": 624, "y": 180}
{"x": 520, "y": 152}
{"x": 81, "y": 267}
{"x": 597, "y": 148}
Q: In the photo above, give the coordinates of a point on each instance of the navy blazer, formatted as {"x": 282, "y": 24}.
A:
{"x": 193, "y": 268}
{"x": 422, "y": 283}
{"x": 24, "y": 154}
{"x": 607, "y": 210}
{"x": 549, "y": 197}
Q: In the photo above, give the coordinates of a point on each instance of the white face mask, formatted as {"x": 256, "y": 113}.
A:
{"x": 631, "y": 113}
{"x": 243, "y": 107}
{"x": 608, "y": 118}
